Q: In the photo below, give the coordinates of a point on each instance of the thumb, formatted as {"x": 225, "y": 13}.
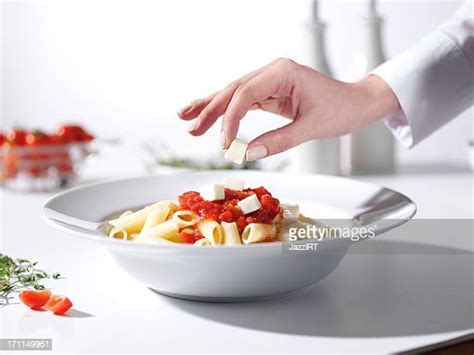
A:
{"x": 277, "y": 141}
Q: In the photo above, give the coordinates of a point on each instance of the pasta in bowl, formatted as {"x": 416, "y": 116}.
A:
{"x": 230, "y": 215}
{"x": 221, "y": 243}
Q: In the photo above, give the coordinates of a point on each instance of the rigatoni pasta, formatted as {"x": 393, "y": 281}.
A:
{"x": 119, "y": 233}
{"x": 156, "y": 217}
{"x": 185, "y": 218}
{"x": 258, "y": 232}
{"x": 134, "y": 222}
{"x": 231, "y": 233}
{"x": 211, "y": 230}
{"x": 166, "y": 230}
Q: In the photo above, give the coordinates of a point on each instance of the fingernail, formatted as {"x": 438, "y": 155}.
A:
{"x": 185, "y": 109}
{"x": 193, "y": 126}
{"x": 223, "y": 145}
{"x": 257, "y": 152}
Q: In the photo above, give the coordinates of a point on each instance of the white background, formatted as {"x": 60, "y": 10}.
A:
{"x": 124, "y": 68}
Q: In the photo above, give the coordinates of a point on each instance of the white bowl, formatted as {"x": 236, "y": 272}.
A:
{"x": 228, "y": 274}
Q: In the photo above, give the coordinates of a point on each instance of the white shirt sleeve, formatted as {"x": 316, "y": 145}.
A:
{"x": 434, "y": 80}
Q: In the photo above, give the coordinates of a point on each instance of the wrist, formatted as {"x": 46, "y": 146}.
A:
{"x": 377, "y": 98}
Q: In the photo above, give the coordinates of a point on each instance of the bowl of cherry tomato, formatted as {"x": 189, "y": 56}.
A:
{"x": 37, "y": 160}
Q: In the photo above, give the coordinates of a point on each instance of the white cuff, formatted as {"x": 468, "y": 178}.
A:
{"x": 433, "y": 82}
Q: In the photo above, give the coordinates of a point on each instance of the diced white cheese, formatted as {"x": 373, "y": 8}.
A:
{"x": 236, "y": 151}
{"x": 249, "y": 204}
{"x": 212, "y": 192}
{"x": 290, "y": 210}
{"x": 234, "y": 183}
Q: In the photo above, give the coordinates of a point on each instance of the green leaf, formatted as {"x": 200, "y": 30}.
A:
{"x": 20, "y": 274}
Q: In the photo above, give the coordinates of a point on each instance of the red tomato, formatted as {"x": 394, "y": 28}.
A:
{"x": 190, "y": 238}
{"x": 187, "y": 238}
{"x": 70, "y": 133}
{"x": 249, "y": 220}
{"x": 58, "y": 304}
{"x": 226, "y": 216}
{"x": 65, "y": 167}
{"x": 241, "y": 223}
{"x": 73, "y": 133}
{"x": 3, "y": 139}
{"x": 189, "y": 199}
{"x": 35, "y": 299}
{"x": 232, "y": 208}
{"x": 86, "y": 137}
{"x": 260, "y": 191}
{"x": 17, "y": 136}
{"x": 57, "y": 139}
{"x": 11, "y": 160}
{"x": 237, "y": 195}
{"x": 37, "y": 138}
{"x": 227, "y": 210}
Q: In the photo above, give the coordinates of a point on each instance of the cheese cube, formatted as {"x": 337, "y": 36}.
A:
{"x": 234, "y": 183}
{"x": 236, "y": 151}
{"x": 249, "y": 204}
{"x": 290, "y": 210}
{"x": 212, "y": 192}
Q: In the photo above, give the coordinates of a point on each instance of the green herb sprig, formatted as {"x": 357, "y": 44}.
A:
{"x": 20, "y": 274}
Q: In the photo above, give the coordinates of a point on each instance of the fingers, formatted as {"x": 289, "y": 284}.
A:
{"x": 211, "y": 112}
{"x": 194, "y": 108}
{"x": 261, "y": 87}
{"x": 218, "y": 105}
{"x": 277, "y": 141}
{"x": 254, "y": 90}
{"x": 208, "y": 110}
{"x": 281, "y": 106}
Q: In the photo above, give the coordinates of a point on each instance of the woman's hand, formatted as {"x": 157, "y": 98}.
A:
{"x": 318, "y": 106}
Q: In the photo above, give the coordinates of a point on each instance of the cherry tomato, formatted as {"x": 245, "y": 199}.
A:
{"x": 17, "y": 137}
{"x": 58, "y": 304}
{"x": 37, "y": 138}
{"x": 65, "y": 167}
{"x": 86, "y": 137}
{"x": 69, "y": 133}
{"x": 35, "y": 299}
{"x": 57, "y": 139}
{"x": 3, "y": 139}
{"x": 11, "y": 160}
{"x": 73, "y": 133}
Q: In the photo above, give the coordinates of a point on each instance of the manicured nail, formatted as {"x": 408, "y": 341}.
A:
{"x": 185, "y": 109}
{"x": 223, "y": 138}
{"x": 257, "y": 152}
{"x": 193, "y": 126}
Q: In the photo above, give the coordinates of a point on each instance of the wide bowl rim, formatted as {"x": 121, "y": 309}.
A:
{"x": 176, "y": 247}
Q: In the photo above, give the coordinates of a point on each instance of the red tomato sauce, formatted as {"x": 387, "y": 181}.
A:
{"x": 190, "y": 238}
{"x": 226, "y": 210}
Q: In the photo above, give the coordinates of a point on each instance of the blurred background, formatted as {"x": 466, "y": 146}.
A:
{"x": 123, "y": 68}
